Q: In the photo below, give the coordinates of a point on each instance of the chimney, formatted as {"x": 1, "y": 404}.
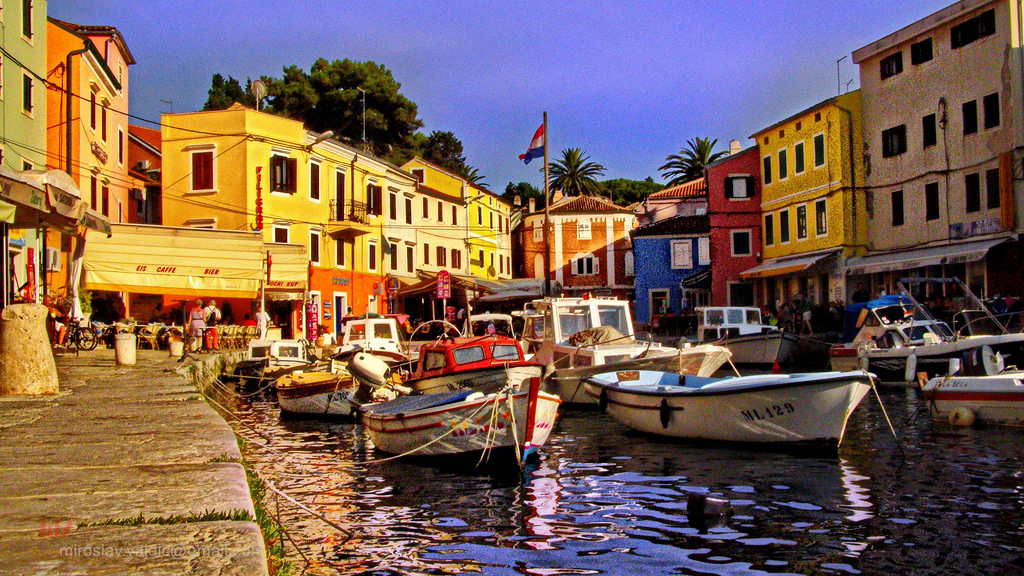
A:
{"x": 533, "y": 205}
{"x": 734, "y": 146}
{"x": 557, "y": 195}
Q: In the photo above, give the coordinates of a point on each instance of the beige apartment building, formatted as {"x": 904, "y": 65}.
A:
{"x": 943, "y": 125}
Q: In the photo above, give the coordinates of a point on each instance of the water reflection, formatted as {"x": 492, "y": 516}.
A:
{"x": 604, "y": 500}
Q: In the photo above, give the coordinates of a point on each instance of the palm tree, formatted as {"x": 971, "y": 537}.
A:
{"x": 574, "y": 174}
{"x": 474, "y": 176}
{"x": 689, "y": 164}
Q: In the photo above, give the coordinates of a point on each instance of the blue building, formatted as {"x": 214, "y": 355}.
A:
{"x": 672, "y": 265}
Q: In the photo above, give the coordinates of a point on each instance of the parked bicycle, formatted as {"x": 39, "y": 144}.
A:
{"x": 81, "y": 337}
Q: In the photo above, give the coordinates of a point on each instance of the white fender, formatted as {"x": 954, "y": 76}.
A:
{"x": 909, "y": 374}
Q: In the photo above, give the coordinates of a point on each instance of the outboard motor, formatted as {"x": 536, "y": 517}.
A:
{"x": 370, "y": 372}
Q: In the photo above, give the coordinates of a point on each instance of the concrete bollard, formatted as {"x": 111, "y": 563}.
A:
{"x": 26, "y": 359}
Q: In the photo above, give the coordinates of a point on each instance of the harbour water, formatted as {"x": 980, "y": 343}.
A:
{"x": 603, "y": 500}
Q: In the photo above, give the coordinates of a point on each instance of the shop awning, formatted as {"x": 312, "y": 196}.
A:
{"x": 171, "y": 260}
{"x": 957, "y": 253}
{"x": 701, "y": 280}
{"x": 7, "y": 212}
{"x": 458, "y": 282}
{"x": 517, "y": 289}
{"x": 50, "y": 197}
{"x": 785, "y": 265}
{"x": 288, "y": 271}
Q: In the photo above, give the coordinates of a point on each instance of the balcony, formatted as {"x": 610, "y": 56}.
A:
{"x": 348, "y": 220}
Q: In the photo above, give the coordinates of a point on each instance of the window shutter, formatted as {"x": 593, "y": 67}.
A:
{"x": 728, "y": 187}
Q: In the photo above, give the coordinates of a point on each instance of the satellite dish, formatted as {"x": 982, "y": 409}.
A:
{"x": 259, "y": 91}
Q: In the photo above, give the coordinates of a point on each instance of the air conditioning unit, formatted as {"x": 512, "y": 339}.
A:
{"x": 142, "y": 165}
{"x": 52, "y": 260}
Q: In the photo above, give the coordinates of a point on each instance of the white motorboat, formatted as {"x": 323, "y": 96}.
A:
{"x": 810, "y": 408}
{"x": 741, "y": 330}
{"x": 378, "y": 335}
{"x": 897, "y": 339}
{"x": 982, "y": 391}
{"x": 463, "y": 422}
{"x": 270, "y": 359}
{"x": 584, "y": 336}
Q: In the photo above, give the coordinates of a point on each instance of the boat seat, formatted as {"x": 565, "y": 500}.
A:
{"x": 422, "y": 402}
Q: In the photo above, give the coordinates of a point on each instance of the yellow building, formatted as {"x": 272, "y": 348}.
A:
{"x": 241, "y": 169}
{"x": 812, "y": 211}
{"x": 481, "y": 218}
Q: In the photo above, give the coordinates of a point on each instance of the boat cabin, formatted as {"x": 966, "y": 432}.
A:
{"x": 581, "y": 331}
{"x": 451, "y": 355}
{"x": 893, "y": 322}
{"x": 381, "y": 334}
{"x": 484, "y": 324}
{"x": 721, "y": 322}
{"x": 279, "y": 351}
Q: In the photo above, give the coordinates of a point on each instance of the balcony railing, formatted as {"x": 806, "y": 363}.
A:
{"x": 352, "y": 212}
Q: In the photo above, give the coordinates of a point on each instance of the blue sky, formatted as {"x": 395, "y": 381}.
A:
{"x": 627, "y": 82}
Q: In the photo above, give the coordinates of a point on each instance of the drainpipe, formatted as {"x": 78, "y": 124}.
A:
{"x": 68, "y": 106}
{"x": 853, "y": 178}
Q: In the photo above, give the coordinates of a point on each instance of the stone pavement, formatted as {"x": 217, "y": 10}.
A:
{"x": 118, "y": 442}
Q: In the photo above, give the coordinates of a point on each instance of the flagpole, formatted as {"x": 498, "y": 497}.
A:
{"x": 547, "y": 215}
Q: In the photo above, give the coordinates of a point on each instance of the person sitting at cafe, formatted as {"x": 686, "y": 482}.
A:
{"x": 248, "y": 321}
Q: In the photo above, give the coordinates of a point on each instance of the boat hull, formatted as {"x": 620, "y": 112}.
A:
{"x": 703, "y": 360}
{"x": 891, "y": 364}
{"x": 763, "y": 349}
{"x": 995, "y": 399}
{"x": 320, "y": 393}
{"x": 462, "y": 422}
{"x": 775, "y": 408}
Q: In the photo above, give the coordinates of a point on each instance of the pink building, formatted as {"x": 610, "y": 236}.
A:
{"x": 734, "y": 211}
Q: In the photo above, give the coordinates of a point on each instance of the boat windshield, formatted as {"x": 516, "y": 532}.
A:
{"x": 615, "y": 316}
{"x": 383, "y": 330}
{"x": 714, "y": 317}
{"x": 572, "y": 319}
{"x": 735, "y": 316}
{"x": 753, "y": 316}
{"x": 357, "y": 332}
{"x": 505, "y": 352}
{"x": 468, "y": 354}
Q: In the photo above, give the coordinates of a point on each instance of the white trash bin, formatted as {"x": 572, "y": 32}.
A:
{"x": 124, "y": 349}
{"x": 175, "y": 347}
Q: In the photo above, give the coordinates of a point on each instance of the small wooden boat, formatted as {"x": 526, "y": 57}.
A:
{"x": 463, "y": 421}
{"x": 774, "y": 408}
{"x": 326, "y": 393}
{"x": 481, "y": 363}
{"x": 333, "y": 390}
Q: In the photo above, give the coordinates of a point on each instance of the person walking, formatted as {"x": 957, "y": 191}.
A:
{"x": 196, "y": 320}
{"x": 211, "y": 315}
{"x": 262, "y": 322}
{"x": 806, "y": 314}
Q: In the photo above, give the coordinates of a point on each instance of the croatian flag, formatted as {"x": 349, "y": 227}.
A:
{"x": 536, "y": 149}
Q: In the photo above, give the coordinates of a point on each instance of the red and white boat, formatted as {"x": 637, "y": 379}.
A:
{"x": 482, "y": 363}
{"x": 463, "y": 422}
{"x": 996, "y": 398}
{"x": 468, "y": 394}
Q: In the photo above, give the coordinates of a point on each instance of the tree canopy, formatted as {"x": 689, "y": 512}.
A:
{"x": 331, "y": 97}
{"x": 691, "y": 160}
{"x": 525, "y": 191}
{"x": 223, "y": 93}
{"x": 625, "y": 192}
